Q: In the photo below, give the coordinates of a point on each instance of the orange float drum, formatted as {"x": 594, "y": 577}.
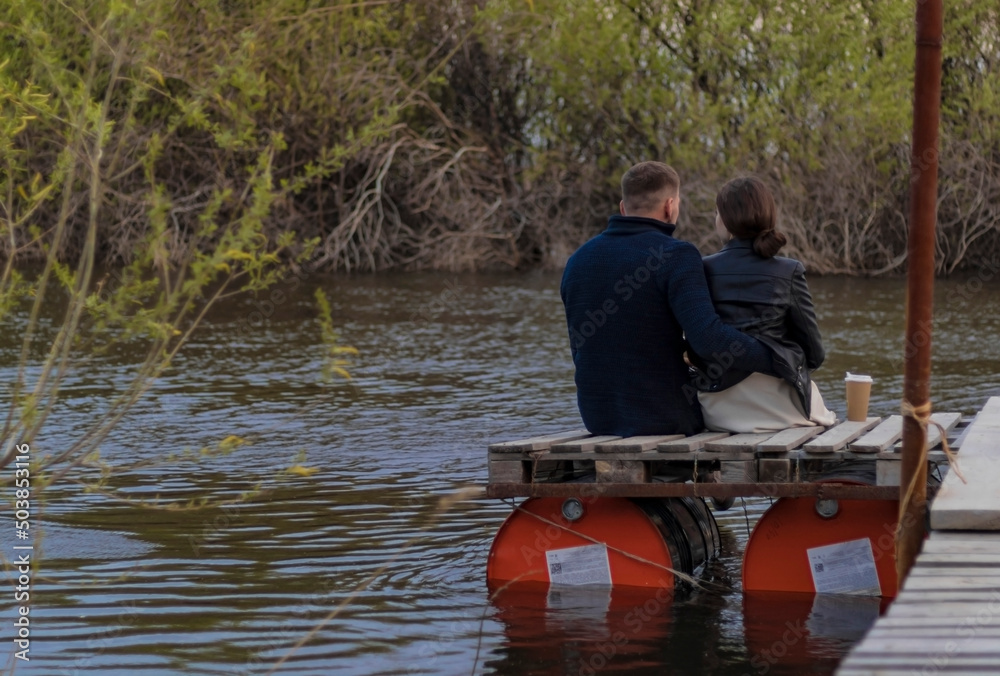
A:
{"x": 599, "y": 540}
{"x": 811, "y": 545}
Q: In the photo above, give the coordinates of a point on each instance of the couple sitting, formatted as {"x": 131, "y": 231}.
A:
{"x": 637, "y": 300}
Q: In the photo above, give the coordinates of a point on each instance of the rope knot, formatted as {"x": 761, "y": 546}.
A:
{"x": 922, "y": 414}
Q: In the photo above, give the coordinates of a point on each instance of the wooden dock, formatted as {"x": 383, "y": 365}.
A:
{"x": 795, "y": 462}
{"x": 946, "y": 619}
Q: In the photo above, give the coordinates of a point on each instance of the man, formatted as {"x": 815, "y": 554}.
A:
{"x": 632, "y": 296}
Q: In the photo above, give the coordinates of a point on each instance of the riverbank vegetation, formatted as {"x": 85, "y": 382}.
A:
{"x": 102, "y": 163}
{"x": 478, "y": 134}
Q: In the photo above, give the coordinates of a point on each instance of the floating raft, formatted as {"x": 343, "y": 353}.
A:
{"x": 795, "y": 462}
{"x": 946, "y": 618}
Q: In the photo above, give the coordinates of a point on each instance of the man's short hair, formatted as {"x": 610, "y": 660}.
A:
{"x": 643, "y": 184}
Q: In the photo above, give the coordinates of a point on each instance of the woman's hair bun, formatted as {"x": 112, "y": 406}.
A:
{"x": 769, "y": 242}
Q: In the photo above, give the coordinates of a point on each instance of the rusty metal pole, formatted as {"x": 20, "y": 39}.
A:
{"x": 919, "y": 283}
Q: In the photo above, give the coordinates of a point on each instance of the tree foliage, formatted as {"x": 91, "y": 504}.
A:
{"x": 814, "y": 97}
{"x": 492, "y": 133}
{"x": 91, "y": 124}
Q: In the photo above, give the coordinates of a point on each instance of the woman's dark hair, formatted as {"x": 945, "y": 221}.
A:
{"x": 747, "y": 210}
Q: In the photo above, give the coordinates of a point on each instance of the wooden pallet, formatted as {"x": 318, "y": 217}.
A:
{"x": 786, "y": 456}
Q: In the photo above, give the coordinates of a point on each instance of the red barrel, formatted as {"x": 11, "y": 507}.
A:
{"x": 544, "y": 538}
{"x": 777, "y": 556}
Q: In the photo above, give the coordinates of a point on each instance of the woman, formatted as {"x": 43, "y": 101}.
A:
{"x": 767, "y": 297}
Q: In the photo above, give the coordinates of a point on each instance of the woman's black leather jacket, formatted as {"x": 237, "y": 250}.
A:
{"x": 769, "y": 299}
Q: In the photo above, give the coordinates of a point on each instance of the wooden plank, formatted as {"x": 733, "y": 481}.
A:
{"x": 957, "y": 443}
{"x": 883, "y": 631}
{"x": 614, "y": 470}
{"x": 968, "y": 599}
{"x": 866, "y": 665}
{"x": 739, "y": 442}
{"x": 989, "y": 416}
{"x": 774, "y": 470}
{"x": 971, "y": 506}
{"x": 917, "y": 583}
{"x": 692, "y": 443}
{"x": 958, "y": 559}
{"x": 578, "y": 445}
{"x": 946, "y": 420}
{"x": 836, "y": 456}
{"x": 882, "y": 437}
{"x": 983, "y": 571}
{"x": 938, "y": 611}
{"x": 592, "y": 454}
{"x": 676, "y": 490}
{"x": 982, "y": 435}
{"x": 971, "y": 645}
{"x": 705, "y": 455}
{"x": 969, "y": 536}
{"x": 508, "y": 471}
{"x": 960, "y": 548}
{"x": 887, "y": 472}
{"x": 965, "y": 550}
{"x": 536, "y": 443}
{"x": 955, "y": 615}
{"x": 786, "y": 440}
{"x": 547, "y": 469}
{"x": 636, "y": 444}
{"x": 866, "y": 669}
{"x": 914, "y": 665}
{"x": 739, "y": 471}
{"x": 838, "y": 437}
{"x": 894, "y": 455}
{"x": 980, "y": 441}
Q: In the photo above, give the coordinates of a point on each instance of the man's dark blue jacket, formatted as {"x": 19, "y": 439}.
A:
{"x": 632, "y": 295}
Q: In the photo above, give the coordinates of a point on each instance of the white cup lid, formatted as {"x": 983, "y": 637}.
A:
{"x": 857, "y": 378}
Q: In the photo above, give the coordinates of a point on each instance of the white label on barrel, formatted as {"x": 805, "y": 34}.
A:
{"x": 845, "y": 568}
{"x": 579, "y": 565}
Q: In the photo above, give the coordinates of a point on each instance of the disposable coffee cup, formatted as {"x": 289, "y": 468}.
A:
{"x": 859, "y": 390}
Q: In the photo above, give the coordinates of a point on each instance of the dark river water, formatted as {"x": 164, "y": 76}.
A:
{"x": 357, "y": 561}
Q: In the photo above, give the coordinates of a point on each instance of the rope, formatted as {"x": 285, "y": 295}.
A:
{"x": 686, "y": 578}
{"x": 922, "y": 414}
{"x": 676, "y": 573}
{"x": 746, "y": 515}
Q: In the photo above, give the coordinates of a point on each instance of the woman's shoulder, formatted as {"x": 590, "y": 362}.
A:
{"x": 748, "y": 260}
{"x": 788, "y": 265}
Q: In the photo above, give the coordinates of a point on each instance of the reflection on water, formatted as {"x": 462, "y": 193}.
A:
{"x": 801, "y": 633}
{"x": 448, "y": 365}
{"x": 582, "y": 630}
